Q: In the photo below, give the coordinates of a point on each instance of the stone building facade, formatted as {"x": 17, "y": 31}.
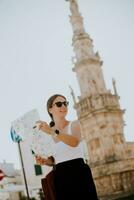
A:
{"x": 111, "y": 158}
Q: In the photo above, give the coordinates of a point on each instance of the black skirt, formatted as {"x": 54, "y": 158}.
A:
{"x": 73, "y": 181}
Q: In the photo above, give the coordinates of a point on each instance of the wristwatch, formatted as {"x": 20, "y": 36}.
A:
{"x": 55, "y": 133}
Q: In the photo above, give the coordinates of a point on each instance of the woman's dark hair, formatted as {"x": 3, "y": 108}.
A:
{"x": 49, "y": 105}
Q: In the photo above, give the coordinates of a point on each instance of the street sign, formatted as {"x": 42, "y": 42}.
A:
{"x": 2, "y": 175}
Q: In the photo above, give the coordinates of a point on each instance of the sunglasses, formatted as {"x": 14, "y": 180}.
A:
{"x": 59, "y": 103}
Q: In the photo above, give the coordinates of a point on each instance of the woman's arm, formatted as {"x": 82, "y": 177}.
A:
{"x": 74, "y": 139}
{"x": 71, "y": 140}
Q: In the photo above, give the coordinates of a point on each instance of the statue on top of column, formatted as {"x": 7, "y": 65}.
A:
{"x": 74, "y": 7}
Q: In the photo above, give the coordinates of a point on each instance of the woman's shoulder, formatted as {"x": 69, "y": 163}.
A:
{"x": 75, "y": 122}
{"x": 75, "y": 126}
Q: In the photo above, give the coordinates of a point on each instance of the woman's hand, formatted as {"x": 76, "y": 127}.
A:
{"x": 44, "y": 127}
{"x": 42, "y": 161}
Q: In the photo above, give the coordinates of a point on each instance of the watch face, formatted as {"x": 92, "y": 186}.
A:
{"x": 57, "y": 131}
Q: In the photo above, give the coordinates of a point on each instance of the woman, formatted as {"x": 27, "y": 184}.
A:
{"x": 73, "y": 178}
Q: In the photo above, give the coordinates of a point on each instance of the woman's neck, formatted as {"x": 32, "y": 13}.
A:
{"x": 61, "y": 123}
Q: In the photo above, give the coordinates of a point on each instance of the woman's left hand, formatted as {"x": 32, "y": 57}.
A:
{"x": 44, "y": 127}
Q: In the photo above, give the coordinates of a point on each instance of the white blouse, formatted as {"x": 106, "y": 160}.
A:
{"x": 64, "y": 152}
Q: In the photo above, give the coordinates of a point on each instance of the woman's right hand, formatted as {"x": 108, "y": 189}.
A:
{"x": 40, "y": 160}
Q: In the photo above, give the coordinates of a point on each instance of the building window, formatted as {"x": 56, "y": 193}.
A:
{"x": 38, "y": 170}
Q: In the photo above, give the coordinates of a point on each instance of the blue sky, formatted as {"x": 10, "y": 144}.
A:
{"x": 36, "y": 51}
